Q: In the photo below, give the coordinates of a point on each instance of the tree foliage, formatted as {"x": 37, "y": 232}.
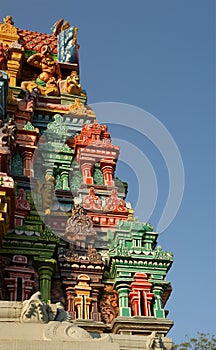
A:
{"x": 203, "y": 341}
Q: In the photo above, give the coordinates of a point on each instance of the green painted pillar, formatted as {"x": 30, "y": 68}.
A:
{"x": 157, "y": 307}
{"x": 123, "y": 290}
{"x": 45, "y": 271}
{"x": 64, "y": 178}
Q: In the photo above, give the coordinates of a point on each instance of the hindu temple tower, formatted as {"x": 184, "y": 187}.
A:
{"x": 75, "y": 265}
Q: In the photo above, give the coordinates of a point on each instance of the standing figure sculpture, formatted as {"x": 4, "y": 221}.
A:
{"x": 8, "y": 133}
{"x": 67, "y": 42}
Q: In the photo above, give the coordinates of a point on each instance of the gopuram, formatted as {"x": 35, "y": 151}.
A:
{"x": 77, "y": 269}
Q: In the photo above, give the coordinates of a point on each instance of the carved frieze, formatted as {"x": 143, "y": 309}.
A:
{"x": 109, "y": 304}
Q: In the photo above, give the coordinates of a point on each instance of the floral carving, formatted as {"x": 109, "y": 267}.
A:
{"x": 79, "y": 229}
{"x": 109, "y": 304}
{"x": 91, "y": 201}
{"x": 114, "y": 203}
{"x": 21, "y": 202}
{"x": 8, "y": 26}
{"x": 29, "y": 127}
{"x": 77, "y": 107}
{"x": 57, "y": 126}
{"x": 161, "y": 254}
{"x": 76, "y": 180}
{"x": 93, "y": 256}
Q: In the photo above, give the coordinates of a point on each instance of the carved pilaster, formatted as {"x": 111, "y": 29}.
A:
{"x": 27, "y": 155}
{"x": 70, "y": 295}
{"x": 123, "y": 291}
{"x": 157, "y": 306}
{"x": 87, "y": 170}
{"x": 45, "y": 271}
{"x": 108, "y": 168}
{"x": 14, "y": 65}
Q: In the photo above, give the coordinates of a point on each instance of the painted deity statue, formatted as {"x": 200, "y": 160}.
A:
{"x": 72, "y": 84}
{"x": 47, "y": 81}
{"x": 50, "y": 68}
{"x": 67, "y": 43}
{"x": 8, "y": 133}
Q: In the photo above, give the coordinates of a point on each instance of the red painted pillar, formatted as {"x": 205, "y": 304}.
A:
{"x": 86, "y": 169}
{"x": 108, "y": 168}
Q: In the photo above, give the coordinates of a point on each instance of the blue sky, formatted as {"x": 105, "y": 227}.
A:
{"x": 158, "y": 56}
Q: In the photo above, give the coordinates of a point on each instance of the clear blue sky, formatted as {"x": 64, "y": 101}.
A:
{"x": 159, "y": 56}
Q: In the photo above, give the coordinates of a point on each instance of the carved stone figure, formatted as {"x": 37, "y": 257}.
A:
{"x": 60, "y": 314}
{"x": 11, "y": 132}
{"x": 8, "y": 133}
{"x": 36, "y": 311}
{"x": 3, "y": 134}
{"x": 48, "y": 190}
{"x": 72, "y": 84}
{"x": 47, "y": 81}
{"x": 49, "y": 67}
{"x": 67, "y": 46}
{"x": 8, "y": 20}
{"x": 154, "y": 342}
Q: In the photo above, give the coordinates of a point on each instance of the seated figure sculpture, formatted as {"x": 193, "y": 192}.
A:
{"x": 47, "y": 81}
{"x": 72, "y": 83}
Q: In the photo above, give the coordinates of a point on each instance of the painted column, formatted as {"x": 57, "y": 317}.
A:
{"x": 45, "y": 271}
{"x": 123, "y": 290}
{"x": 86, "y": 169}
{"x": 70, "y": 295}
{"x": 27, "y": 154}
{"x": 95, "y": 315}
{"x": 107, "y": 168}
{"x": 157, "y": 307}
{"x": 64, "y": 178}
{"x": 5, "y": 160}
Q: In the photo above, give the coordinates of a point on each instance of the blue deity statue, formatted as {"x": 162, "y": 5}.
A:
{"x": 67, "y": 47}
